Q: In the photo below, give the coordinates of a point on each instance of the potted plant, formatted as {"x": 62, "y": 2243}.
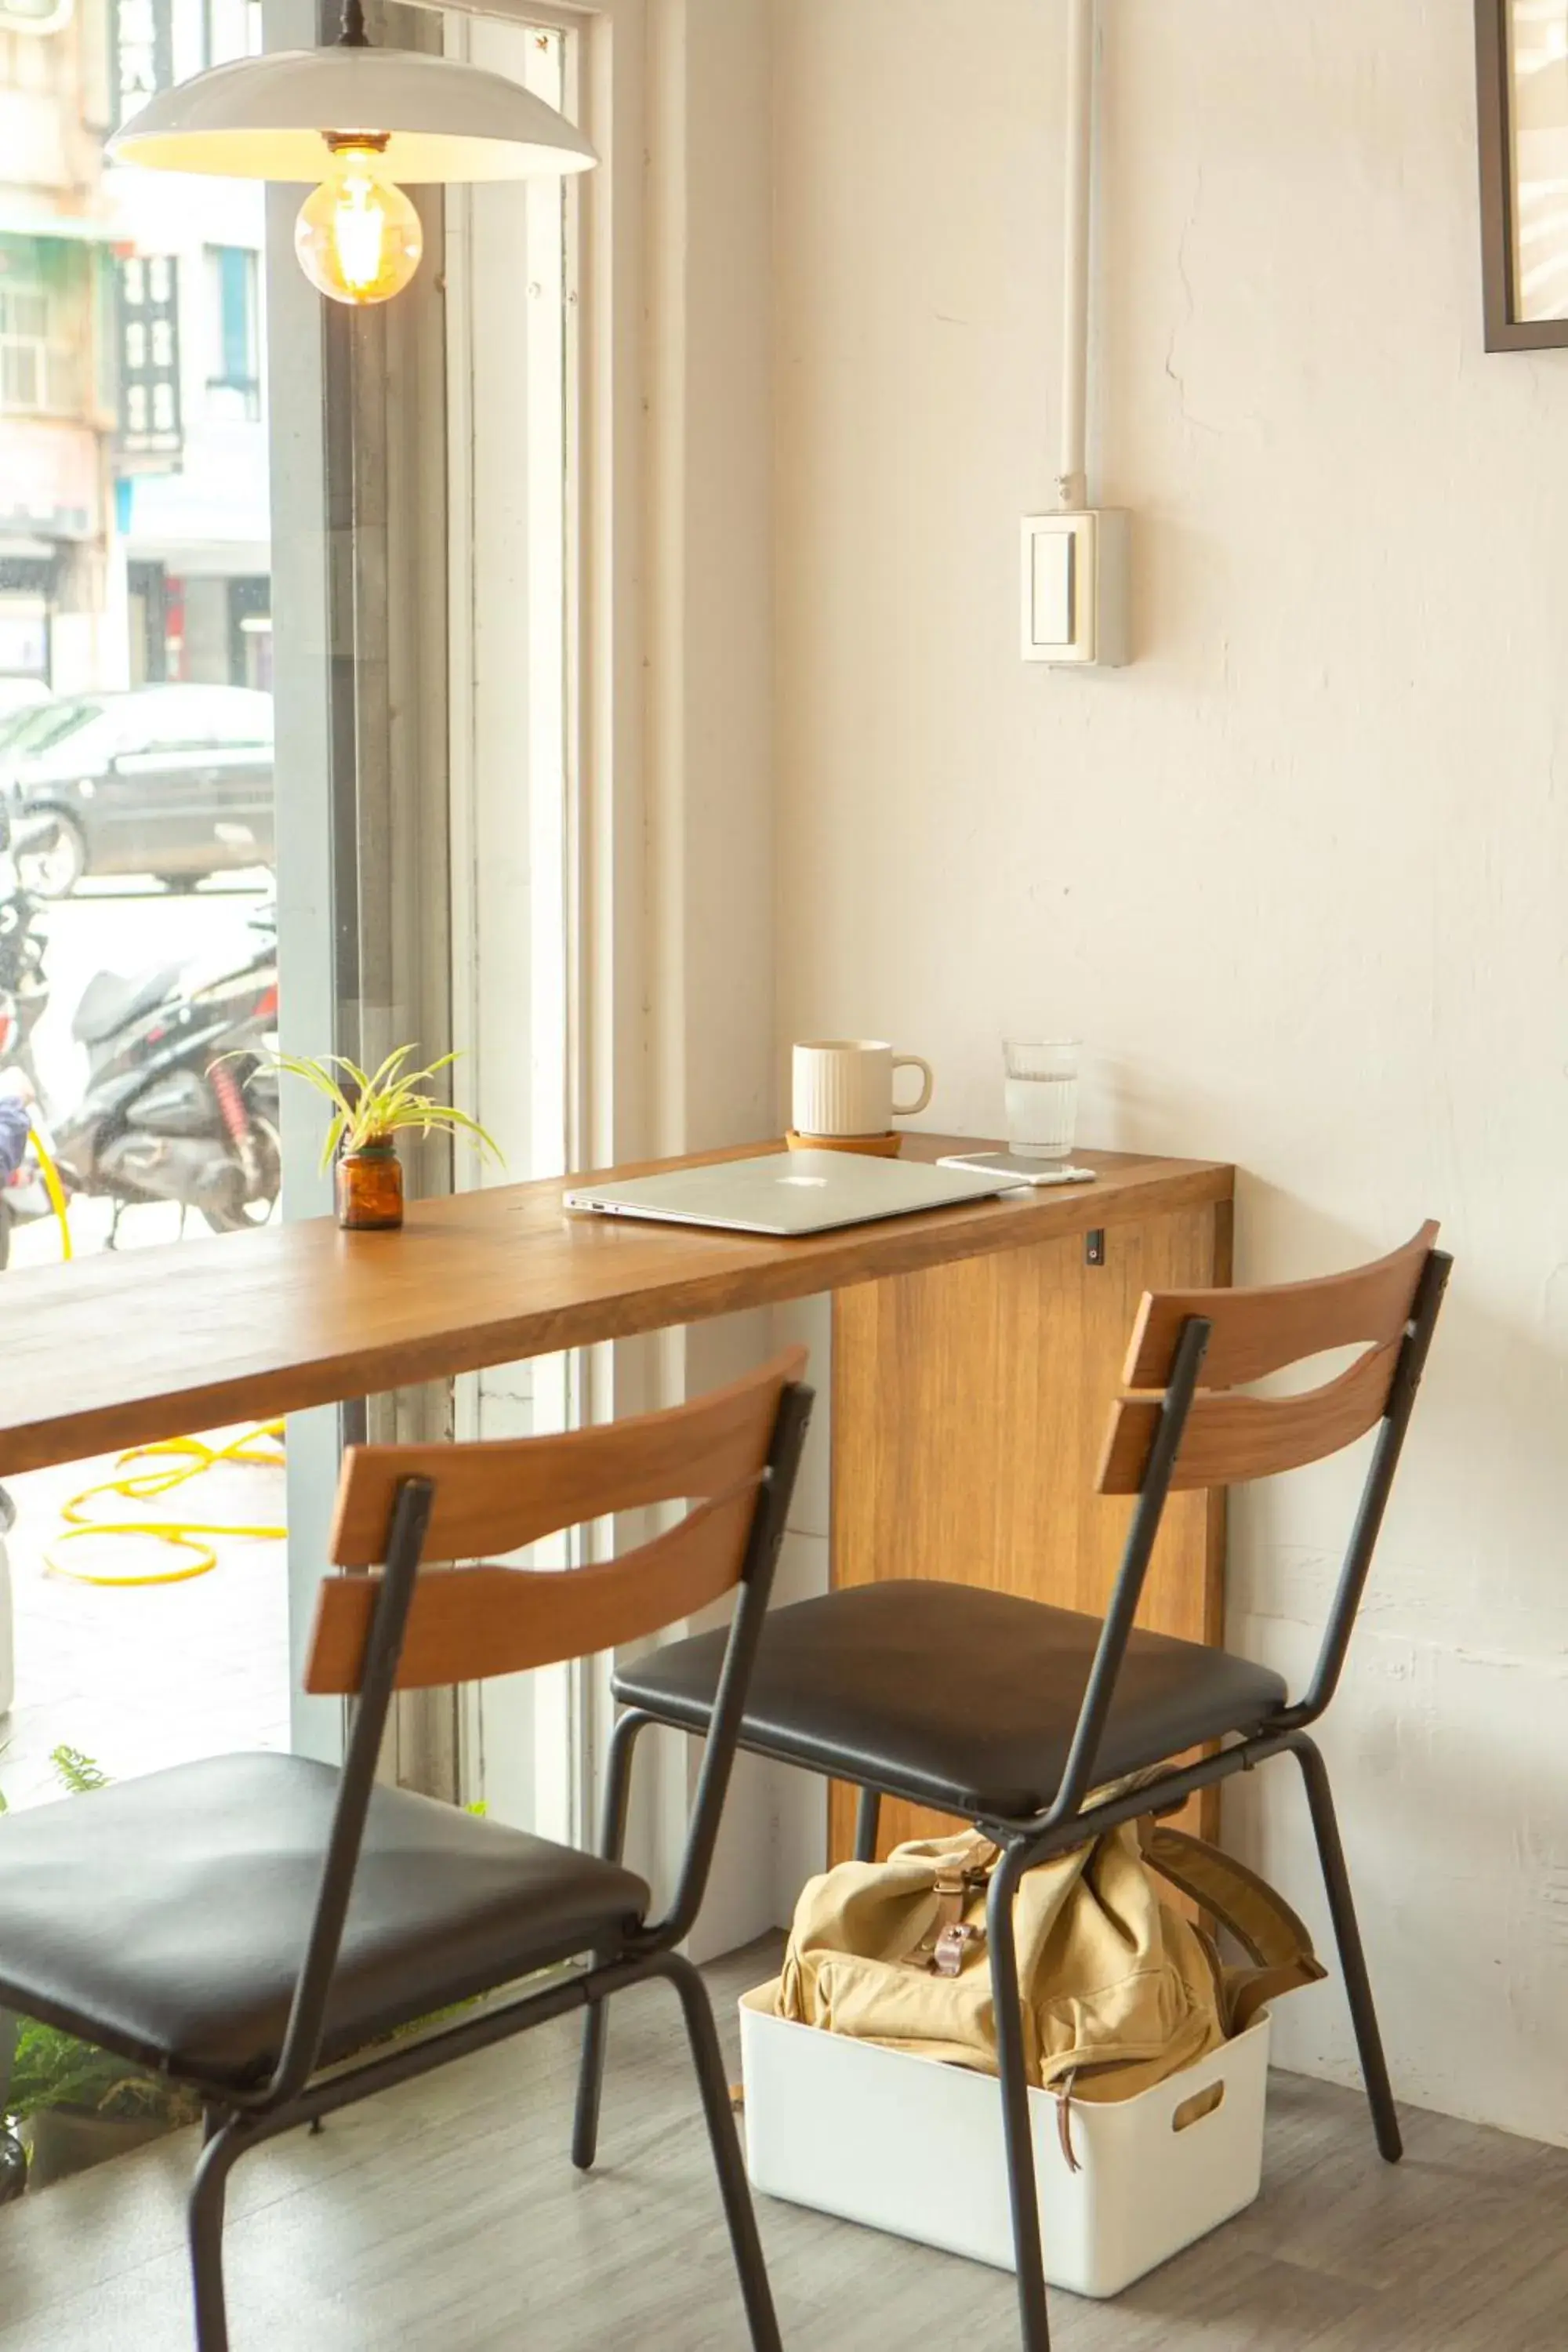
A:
{"x": 7, "y": 1630}
{"x": 78, "y": 2106}
{"x": 369, "y": 1109}
{"x": 13, "y": 2155}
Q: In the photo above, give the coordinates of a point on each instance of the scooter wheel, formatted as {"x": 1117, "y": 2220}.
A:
{"x": 233, "y": 1216}
{"x": 54, "y": 869}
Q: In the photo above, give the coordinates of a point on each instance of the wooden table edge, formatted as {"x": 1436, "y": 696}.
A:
{"x": 893, "y": 1246}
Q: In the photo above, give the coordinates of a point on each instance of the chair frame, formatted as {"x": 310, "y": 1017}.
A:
{"x": 238, "y": 2121}
{"x": 1027, "y": 1841}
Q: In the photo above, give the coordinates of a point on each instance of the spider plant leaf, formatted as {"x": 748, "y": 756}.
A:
{"x": 316, "y": 1073}
{"x": 393, "y": 1097}
{"x": 76, "y": 1772}
{"x": 334, "y": 1137}
{"x": 460, "y": 1122}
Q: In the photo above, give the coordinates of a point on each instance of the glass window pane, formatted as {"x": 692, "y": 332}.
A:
{"x": 136, "y": 763}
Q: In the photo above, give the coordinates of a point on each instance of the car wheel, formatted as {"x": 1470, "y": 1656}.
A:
{"x": 181, "y": 884}
{"x": 54, "y": 867}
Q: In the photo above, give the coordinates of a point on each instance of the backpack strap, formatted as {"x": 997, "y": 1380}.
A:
{"x": 1275, "y": 1940}
{"x": 954, "y": 1883}
{"x": 940, "y": 1948}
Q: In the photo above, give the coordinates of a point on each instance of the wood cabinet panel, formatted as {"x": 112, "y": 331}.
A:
{"x": 970, "y": 1404}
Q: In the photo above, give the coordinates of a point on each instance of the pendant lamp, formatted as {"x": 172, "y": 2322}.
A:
{"x": 361, "y": 121}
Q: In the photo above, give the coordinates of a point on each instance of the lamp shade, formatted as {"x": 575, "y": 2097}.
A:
{"x": 268, "y": 118}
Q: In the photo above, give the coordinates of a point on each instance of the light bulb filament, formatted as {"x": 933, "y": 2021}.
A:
{"x": 358, "y": 237}
{"x": 359, "y": 227}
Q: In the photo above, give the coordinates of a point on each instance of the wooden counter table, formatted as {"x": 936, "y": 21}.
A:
{"x": 975, "y": 1350}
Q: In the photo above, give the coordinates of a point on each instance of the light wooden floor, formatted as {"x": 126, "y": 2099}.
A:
{"x": 447, "y": 2216}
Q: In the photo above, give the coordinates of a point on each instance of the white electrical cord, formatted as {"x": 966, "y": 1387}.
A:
{"x": 1072, "y": 485}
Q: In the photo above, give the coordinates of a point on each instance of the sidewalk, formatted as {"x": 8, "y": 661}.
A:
{"x": 144, "y": 1675}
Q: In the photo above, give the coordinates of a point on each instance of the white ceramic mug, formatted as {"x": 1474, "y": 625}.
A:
{"x": 844, "y": 1085}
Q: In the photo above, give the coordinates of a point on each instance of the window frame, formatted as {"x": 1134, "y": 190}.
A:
{"x": 603, "y": 427}
{"x": 56, "y": 359}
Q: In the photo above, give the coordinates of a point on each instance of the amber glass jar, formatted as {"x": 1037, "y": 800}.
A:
{"x": 369, "y": 1185}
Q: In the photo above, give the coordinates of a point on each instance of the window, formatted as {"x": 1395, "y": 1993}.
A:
{"x": 81, "y": 732}
{"x": 230, "y": 29}
{"x": 150, "y": 361}
{"x": 140, "y": 51}
{"x": 233, "y": 364}
{"x": 155, "y": 43}
{"x": 38, "y": 374}
{"x": 51, "y": 725}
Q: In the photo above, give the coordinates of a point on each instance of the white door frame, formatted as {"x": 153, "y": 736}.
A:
{"x": 584, "y": 1109}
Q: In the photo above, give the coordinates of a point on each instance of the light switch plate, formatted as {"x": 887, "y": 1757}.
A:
{"x": 1074, "y": 587}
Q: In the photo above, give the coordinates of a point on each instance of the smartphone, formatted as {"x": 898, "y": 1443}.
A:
{"x": 1022, "y": 1172}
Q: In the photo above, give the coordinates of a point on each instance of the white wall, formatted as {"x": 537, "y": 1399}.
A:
{"x": 710, "y": 650}
{"x": 1297, "y": 876}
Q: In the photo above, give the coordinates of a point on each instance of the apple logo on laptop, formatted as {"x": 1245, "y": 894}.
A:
{"x": 800, "y": 1180}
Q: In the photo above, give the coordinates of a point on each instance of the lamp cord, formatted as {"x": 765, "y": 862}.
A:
{"x": 354, "y": 36}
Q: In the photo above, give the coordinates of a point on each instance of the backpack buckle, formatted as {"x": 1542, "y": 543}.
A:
{"x": 947, "y": 1958}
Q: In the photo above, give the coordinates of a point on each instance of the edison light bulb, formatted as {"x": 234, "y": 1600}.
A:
{"x": 358, "y": 237}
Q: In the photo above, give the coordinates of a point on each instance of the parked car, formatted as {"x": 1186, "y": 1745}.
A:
{"x": 174, "y": 780}
{"x": 21, "y": 694}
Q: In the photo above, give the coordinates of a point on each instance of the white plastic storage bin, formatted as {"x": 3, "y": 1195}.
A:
{"x": 908, "y": 2144}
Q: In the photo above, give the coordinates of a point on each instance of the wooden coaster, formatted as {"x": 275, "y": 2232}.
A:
{"x": 879, "y": 1147}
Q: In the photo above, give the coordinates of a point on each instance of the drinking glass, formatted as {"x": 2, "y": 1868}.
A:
{"x": 1042, "y": 1097}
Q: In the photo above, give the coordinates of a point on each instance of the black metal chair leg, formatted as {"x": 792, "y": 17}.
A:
{"x": 728, "y": 2162}
{"x": 206, "y": 2225}
{"x": 868, "y": 1820}
{"x": 1034, "y": 2324}
{"x": 1353, "y": 1959}
{"x": 595, "y": 2021}
{"x": 590, "y": 2086}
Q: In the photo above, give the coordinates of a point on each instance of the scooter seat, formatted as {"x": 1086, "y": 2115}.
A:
{"x": 114, "y": 998}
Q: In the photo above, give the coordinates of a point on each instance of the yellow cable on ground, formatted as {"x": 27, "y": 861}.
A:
{"x": 55, "y": 1189}
{"x": 190, "y": 1458}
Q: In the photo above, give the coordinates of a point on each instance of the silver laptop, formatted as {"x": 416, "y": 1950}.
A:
{"x": 788, "y": 1192}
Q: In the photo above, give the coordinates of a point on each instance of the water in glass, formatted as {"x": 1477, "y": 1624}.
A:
{"x": 1041, "y": 1092}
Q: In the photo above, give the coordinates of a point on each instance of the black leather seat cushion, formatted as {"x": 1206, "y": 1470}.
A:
{"x": 960, "y": 1697}
{"x": 166, "y": 1917}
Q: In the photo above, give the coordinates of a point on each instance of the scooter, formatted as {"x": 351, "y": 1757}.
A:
{"x": 180, "y": 1101}
{"x": 24, "y": 991}
{"x": 24, "y": 1194}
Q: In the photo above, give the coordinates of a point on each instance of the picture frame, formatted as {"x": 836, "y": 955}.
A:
{"x": 1522, "y": 119}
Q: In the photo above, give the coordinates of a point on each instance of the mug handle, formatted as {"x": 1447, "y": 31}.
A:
{"x": 913, "y": 1062}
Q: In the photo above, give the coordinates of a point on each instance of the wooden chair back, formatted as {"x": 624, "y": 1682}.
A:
{"x": 1228, "y": 1438}
{"x": 468, "y": 1623}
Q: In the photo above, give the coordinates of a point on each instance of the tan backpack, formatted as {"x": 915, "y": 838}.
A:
{"x": 1119, "y": 1987}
